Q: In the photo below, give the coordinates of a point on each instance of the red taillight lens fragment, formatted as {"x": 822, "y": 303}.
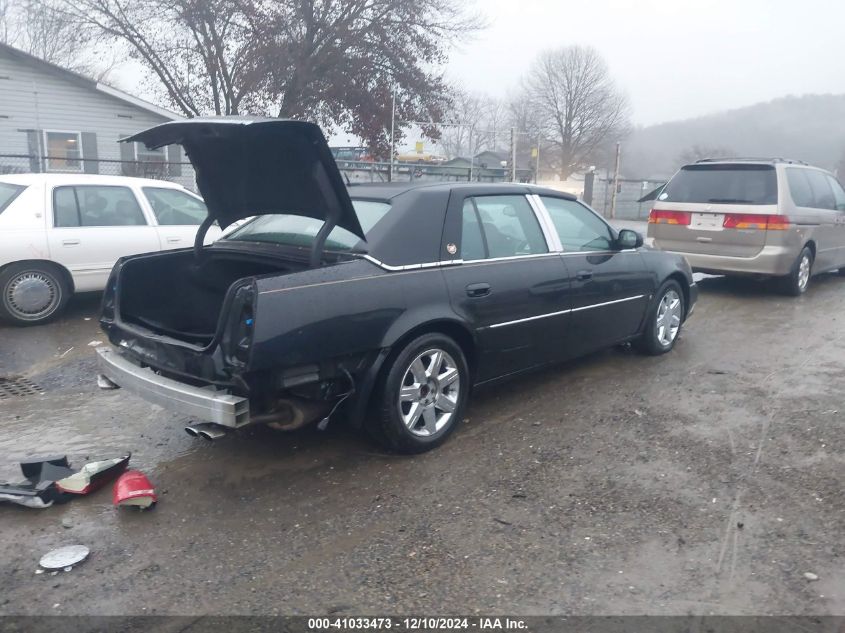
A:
{"x": 669, "y": 217}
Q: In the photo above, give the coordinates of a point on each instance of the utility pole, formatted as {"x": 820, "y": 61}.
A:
{"x": 471, "y": 153}
{"x": 537, "y": 168}
{"x": 392, "y": 133}
{"x": 615, "y": 182}
{"x": 513, "y": 154}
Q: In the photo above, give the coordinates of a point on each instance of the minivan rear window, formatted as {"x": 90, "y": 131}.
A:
{"x": 723, "y": 184}
{"x": 8, "y": 192}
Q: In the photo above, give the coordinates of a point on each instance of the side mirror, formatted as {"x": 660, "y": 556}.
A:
{"x": 629, "y": 239}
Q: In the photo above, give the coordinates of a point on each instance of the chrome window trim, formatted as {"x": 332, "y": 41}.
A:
{"x": 552, "y": 238}
{"x": 388, "y": 267}
{"x": 509, "y": 258}
{"x": 560, "y": 312}
{"x": 457, "y": 262}
{"x": 553, "y": 242}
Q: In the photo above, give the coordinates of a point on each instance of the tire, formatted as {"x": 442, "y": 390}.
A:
{"x": 32, "y": 294}
{"x": 798, "y": 280}
{"x": 664, "y": 321}
{"x": 412, "y": 401}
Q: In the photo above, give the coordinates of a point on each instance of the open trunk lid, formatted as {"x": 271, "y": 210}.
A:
{"x": 715, "y": 209}
{"x": 255, "y": 166}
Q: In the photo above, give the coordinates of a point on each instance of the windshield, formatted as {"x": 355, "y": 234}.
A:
{"x": 8, "y": 192}
{"x": 723, "y": 184}
{"x": 297, "y": 230}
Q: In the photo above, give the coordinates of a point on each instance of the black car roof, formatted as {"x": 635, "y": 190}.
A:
{"x": 390, "y": 190}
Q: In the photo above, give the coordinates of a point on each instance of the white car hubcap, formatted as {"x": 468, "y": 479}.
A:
{"x": 32, "y": 295}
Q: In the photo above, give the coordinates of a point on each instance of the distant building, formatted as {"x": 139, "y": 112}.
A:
{"x": 55, "y": 120}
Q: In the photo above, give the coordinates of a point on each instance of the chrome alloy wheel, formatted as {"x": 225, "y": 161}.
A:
{"x": 668, "y": 318}
{"x": 804, "y": 271}
{"x": 428, "y": 395}
{"x": 32, "y": 295}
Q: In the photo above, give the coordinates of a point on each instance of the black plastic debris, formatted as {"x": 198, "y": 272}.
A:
{"x": 46, "y": 468}
{"x": 50, "y": 480}
{"x": 31, "y": 495}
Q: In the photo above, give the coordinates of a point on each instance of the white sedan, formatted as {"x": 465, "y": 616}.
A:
{"x": 62, "y": 233}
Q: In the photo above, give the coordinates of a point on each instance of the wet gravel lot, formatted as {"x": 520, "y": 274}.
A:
{"x": 705, "y": 481}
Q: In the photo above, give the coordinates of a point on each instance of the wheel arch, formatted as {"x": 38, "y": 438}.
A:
{"x": 64, "y": 272}
{"x": 452, "y": 328}
{"x": 395, "y": 342}
{"x": 811, "y": 244}
{"x": 679, "y": 277}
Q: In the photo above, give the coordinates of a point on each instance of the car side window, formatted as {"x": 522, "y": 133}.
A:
{"x": 822, "y": 193}
{"x": 94, "y": 205}
{"x": 174, "y": 208}
{"x": 799, "y": 187}
{"x": 578, "y": 228}
{"x": 838, "y": 193}
{"x": 472, "y": 241}
{"x": 500, "y": 226}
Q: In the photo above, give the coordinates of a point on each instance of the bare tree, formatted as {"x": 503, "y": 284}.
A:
{"x": 199, "y": 54}
{"x": 8, "y": 28}
{"x": 334, "y": 61}
{"x": 471, "y": 124}
{"x": 34, "y": 27}
{"x": 580, "y": 108}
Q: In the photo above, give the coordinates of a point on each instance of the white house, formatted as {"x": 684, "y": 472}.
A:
{"x": 55, "y": 120}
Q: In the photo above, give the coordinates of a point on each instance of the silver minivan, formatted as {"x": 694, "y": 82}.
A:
{"x": 765, "y": 217}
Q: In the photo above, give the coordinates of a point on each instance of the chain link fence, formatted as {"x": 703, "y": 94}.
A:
{"x": 182, "y": 173}
{"x": 629, "y": 193}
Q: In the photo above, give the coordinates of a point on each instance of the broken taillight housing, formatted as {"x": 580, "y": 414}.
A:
{"x": 108, "y": 304}
{"x": 237, "y": 335}
{"x": 669, "y": 217}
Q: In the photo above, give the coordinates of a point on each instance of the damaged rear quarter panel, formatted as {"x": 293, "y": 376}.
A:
{"x": 341, "y": 310}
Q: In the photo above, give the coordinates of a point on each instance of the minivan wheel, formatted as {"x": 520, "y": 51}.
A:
{"x": 32, "y": 294}
{"x": 665, "y": 319}
{"x": 422, "y": 395}
{"x": 797, "y": 281}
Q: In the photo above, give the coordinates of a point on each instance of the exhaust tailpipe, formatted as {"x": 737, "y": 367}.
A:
{"x": 206, "y": 430}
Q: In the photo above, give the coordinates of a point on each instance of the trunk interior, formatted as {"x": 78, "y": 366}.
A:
{"x": 176, "y": 295}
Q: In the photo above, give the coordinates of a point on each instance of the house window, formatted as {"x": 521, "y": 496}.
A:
{"x": 144, "y": 155}
{"x": 64, "y": 151}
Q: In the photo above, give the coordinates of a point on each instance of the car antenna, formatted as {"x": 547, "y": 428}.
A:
{"x": 348, "y": 182}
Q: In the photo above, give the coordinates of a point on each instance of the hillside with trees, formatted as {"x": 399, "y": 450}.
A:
{"x": 809, "y": 128}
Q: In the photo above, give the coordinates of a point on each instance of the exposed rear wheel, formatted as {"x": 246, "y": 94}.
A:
{"x": 32, "y": 293}
{"x": 665, "y": 318}
{"x": 422, "y": 395}
{"x": 797, "y": 281}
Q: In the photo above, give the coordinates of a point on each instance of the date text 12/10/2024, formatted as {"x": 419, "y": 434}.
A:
{"x": 417, "y": 624}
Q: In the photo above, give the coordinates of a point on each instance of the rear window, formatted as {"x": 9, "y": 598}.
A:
{"x": 8, "y": 193}
{"x": 297, "y": 230}
{"x": 723, "y": 184}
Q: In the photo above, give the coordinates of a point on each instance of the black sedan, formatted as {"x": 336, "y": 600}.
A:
{"x": 384, "y": 302}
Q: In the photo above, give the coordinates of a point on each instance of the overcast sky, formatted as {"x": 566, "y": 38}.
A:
{"x": 676, "y": 59}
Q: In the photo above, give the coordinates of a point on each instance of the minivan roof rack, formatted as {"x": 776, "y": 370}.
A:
{"x": 751, "y": 159}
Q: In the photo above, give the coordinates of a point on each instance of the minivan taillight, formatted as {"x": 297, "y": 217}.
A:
{"x": 756, "y": 221}
{"x": 669, "y": 217}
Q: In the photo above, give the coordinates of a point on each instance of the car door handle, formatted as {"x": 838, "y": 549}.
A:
{"x": 173, "y": 240}
{"x": 584, "y": 275}
{"x": 70, "y": 242}
{"x": 478, "y": 290}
